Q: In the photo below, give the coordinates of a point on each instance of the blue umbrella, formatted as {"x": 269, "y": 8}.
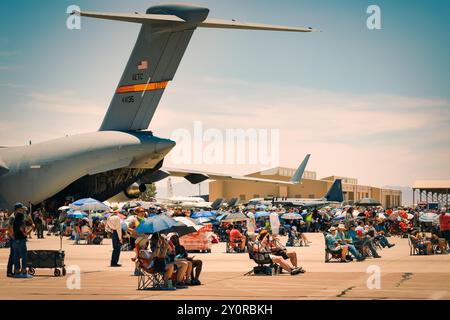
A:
{"x": 261, "y": 214}
{"x": 76, "y": 214}
{"x": 220, "y": 217}
{"x": 157, "y": 223}
{"x": 203, "y": 214}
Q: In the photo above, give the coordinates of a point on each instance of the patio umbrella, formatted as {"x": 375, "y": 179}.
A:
{"x": 428, "y": 217}
{"x": 189, "y": 226}
{"x": 131, "y": 205}
{"x": 157, "y": 223}
{"x": 292, "y": 216}
{"x": 203, "y": 214}
{"x": 76, "y": 214}
{"x": 164, "y": 224}
{"x": 233, "y": 217}
{"x": 63, "y": 208}
{"x": 261, "y": 214}
{"x": 203, "y": 220}
{"x": 367, "y": 202}
{"x": 89, "y": 204}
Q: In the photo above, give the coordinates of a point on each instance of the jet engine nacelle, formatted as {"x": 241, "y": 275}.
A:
{"x": 135, "y": 190}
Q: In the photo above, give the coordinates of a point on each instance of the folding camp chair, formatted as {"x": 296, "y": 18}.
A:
{"x": 149, "y": 279}
{"x": 331, "y": 254}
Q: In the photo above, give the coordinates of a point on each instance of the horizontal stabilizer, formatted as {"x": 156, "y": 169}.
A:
{"x": 208, "y": 23}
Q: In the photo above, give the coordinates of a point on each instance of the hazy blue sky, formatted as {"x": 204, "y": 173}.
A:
{"x": 371, "y": 104}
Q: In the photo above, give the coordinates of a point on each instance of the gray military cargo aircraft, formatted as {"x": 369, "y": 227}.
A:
{"x": 121, "y": 155}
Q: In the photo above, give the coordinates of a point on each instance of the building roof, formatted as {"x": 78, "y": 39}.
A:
{"x": 432, "y": 184}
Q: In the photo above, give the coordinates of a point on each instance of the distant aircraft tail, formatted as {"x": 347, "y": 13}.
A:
{"x": 335, "y": 193}
{"x": 165, "y": 34}
{"x": 297, "y": 177}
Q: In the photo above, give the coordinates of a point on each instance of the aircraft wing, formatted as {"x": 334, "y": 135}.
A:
{"x": 194, "y": 176}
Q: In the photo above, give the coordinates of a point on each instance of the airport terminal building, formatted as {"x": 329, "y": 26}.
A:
{"x": 310, "y": 187}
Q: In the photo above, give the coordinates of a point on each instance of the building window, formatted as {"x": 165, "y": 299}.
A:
{"x": 256, "y": 196}
{"x": 311, "y": 196}
{"x": 242, "y": 197}
{"x": 298, "y": 196}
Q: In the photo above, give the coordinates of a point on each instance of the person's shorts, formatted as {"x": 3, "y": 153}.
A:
{"x": 282, "y": 253}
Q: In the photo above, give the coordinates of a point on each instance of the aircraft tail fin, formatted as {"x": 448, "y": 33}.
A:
{"x": 335, "y": 193}
{"x": 164, "y": 36}
{"x": 297, "y": 177}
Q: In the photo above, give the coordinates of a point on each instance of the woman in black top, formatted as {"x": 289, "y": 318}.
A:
{"x": 20, "y": 246}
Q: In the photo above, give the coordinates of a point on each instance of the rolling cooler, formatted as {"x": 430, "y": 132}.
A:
{"x": 50, "y": 259}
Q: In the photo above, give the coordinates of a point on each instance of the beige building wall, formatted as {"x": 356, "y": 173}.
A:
{"x": 308, "y": 188}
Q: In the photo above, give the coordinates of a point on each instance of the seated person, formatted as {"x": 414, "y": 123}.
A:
{"x": 237, "y": 237}
{"x": 155, "y": 259}
{"x": 262, "y": 245}
{"x": 181, "y": 253}
{"x": 183, "y": 266}
{"x": 343, "y": 240}
{"x": 361, "y": 241}
{"x": 293, "y": 236}
{"x": 277, "y": 249}
{"x": 423, "y": 245}
{"x": 373, "y": 234}
{"x": 86, "y": 232}
{"x": 334, "y": 246}
{"x": 440, "y": 242}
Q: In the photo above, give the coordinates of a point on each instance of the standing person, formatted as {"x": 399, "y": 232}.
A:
{"x": 114, "y": 226}
{"x": 20, "y": 242}
{"x": 39, "y": 222}
{"x": 444, "y": 226}
{"x": 9, "y": 269}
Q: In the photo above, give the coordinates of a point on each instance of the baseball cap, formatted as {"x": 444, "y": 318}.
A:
{"x": 19, "y": 205}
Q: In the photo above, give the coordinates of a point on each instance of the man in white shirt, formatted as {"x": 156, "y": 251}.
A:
{"x": 114, "y": 226}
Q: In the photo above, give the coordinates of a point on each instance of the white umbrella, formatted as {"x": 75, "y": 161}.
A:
{"x": 89, "y": 204}
{"x": 188, "y": 222}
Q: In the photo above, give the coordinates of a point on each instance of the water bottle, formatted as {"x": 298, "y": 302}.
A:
{"x": 169, "y": 284}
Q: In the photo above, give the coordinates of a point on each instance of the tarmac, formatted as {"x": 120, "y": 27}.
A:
{"x": 401, "y": 276}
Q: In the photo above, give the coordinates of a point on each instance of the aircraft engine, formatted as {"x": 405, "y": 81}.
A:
{"x": 135, "y": 190}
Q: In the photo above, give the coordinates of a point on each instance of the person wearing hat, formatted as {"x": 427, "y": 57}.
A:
{"x": 343, "y": 239}
{"x": 333, "y": 244}
{"x": 19, "y": 243}
{"x": 114, "y": 226}
{"x": 262, "y": 245}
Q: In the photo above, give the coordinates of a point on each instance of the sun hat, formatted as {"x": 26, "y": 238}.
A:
{"x": 332, "y": 229}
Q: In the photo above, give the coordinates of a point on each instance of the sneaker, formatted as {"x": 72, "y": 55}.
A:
{"x": 391, "y": 245}
{"x": 377, "y": 257}
{"x": 10, "y": 275}
{"x": 181, "y": 285}
{"x": 23, "y": 276}
{"x": 195, "y": 282}
{"x": 116, "y": 265}
{"x": 295, "y": 271}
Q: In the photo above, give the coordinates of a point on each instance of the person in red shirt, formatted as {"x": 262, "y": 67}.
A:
{"x": 444, "y": 225}
{"x": 237, "y": 237}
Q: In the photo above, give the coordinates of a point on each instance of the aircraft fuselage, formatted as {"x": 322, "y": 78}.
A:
{"x": 34, "y": 173}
